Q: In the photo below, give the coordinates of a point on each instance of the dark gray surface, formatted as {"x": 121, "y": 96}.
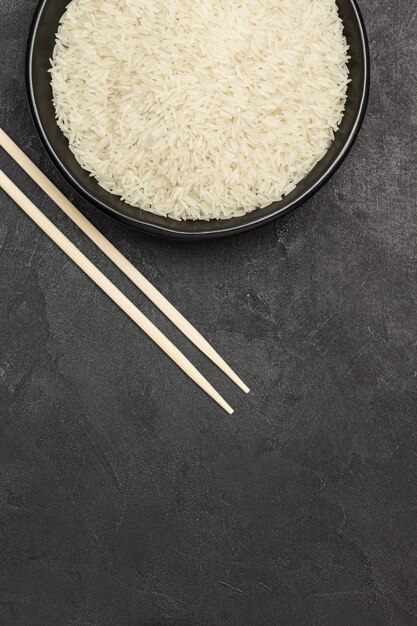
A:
{"x": 127, "y": 497}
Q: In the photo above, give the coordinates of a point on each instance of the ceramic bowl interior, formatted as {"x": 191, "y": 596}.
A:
{"x": 40, "y": 48}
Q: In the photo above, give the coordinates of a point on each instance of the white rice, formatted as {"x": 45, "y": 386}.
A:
{"x": 200, "y": 109}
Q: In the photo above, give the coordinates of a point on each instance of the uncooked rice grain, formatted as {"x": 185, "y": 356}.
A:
{"x": 200, "y": 109}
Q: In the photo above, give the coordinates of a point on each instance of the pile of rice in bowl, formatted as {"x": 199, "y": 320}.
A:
{"x": 200, "y": 109}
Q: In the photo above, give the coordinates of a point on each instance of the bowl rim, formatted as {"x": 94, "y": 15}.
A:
{"x": 219, "y": 231}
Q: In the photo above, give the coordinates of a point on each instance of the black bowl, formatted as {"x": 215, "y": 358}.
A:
{"x": 40, "y": 47}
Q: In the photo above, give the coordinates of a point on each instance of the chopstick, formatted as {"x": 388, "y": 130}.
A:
{"x": 117, "y": 258}
{"x": 109, "y": 288}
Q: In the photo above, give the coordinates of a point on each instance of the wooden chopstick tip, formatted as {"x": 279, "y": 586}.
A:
{"x": 242, "y": 385}
{"x": 222, "y": 402}
{"x": 234, "y": 377}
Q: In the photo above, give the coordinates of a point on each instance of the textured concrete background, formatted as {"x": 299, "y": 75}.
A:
{"x": 126, "y": 497}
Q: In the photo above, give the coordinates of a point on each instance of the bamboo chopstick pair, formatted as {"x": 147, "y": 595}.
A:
{"x": 122, "y": 263}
